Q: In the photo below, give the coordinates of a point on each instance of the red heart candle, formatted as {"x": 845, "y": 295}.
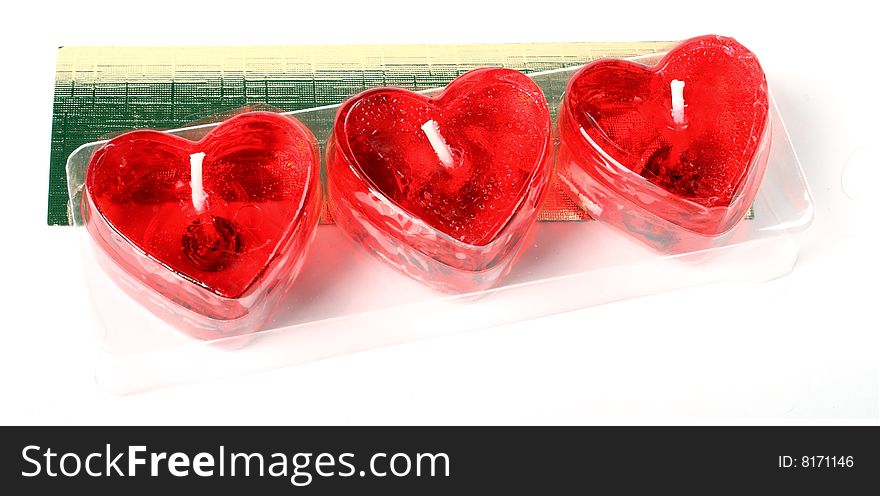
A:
{"x": 673, "y": 154}
{"x": 209, "y": 234}
{"x": 443, "y": 188}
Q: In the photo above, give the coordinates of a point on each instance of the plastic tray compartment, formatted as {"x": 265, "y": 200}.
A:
{"x": 346, "y": 301}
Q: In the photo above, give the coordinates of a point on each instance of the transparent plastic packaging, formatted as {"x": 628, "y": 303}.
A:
{"x": 346, "y": 301}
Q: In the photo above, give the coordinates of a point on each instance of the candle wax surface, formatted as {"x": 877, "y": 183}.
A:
{"x": 626, "y": 109}
{"x": 255, "y": 174}
{"x": 495, "y": 128}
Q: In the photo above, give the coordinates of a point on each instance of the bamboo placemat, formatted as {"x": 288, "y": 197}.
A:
{"x": 101, "y": 91}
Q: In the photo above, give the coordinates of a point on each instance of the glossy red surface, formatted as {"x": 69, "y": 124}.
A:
{"x": 217, "y": 261}
{"x": 623, "y": 147}
{"x": 446, "y": 220}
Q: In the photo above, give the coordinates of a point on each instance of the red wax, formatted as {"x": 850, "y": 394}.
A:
{"x": 628, "y": 158}
{"x": 223, "y": 263}
{"x": 449, "y": 209}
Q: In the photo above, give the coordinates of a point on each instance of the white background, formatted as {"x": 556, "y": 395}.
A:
{"x": 803, "y": 348}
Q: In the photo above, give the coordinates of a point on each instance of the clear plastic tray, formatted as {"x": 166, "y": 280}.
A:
{"x": 346, "y": 301}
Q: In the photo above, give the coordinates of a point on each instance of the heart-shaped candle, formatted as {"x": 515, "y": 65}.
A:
{"x": 674, "y": 153}
{"x": 444, "y": 188}
{"x": 217, "y": 227}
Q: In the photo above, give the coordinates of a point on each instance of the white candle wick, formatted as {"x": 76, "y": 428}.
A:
{"x": 432, "y": 131}
{"x": 677, "y": 88}
{"x": 198, "y": 189}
